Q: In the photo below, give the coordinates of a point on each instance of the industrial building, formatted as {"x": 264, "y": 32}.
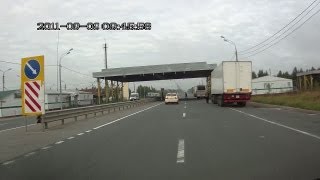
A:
{"x": 308, "y": 80}
{"x": 271, "y": 85}
{"x": 10, "y": 101}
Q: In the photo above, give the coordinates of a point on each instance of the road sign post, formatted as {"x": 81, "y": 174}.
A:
{"x": 32, "y": 85}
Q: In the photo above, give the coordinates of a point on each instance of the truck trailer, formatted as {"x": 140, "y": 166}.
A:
{"x": 199, "y": 91}
{"x": 231, "y": 83}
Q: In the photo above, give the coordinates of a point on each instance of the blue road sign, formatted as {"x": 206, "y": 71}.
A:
{"x": 32, "y": 69}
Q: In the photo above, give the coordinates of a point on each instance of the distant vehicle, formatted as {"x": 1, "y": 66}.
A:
{"x": 199, "y": 91}
{"x": 231, "y": 83}
{"x": 171, "y": 98}
{"x": 153, "y": 94}
{"x": 134, "y": 96}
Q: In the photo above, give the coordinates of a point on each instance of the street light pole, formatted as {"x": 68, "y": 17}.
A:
{"x": 3, "y": 79}
{"x": 231, "y": 42}
{"x": 60, "y": 93}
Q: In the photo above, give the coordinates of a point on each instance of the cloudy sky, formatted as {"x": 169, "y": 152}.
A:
{"x": 182, "y": 31}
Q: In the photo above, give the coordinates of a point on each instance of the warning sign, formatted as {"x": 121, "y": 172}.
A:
{"x": 32, "y": 85}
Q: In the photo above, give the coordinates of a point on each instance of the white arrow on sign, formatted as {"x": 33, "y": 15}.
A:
{"x": 33, "y": 70}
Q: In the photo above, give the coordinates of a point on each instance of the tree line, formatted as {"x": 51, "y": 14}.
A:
{"x": 283, "y": 74}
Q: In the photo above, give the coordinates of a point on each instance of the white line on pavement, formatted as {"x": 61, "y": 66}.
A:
{"x": 3, "y": 124}
{"x": 88, "y": 131}
{"x": 80, "y": 134}
{"x": 180, "y": 154}
{"x": 312, "y": 114}
{"x": 70, "y": 137}
{"x": 29, "y": 154}
{"x": 183, "y": 114}
{"x": 47, "y": 147}
{"x": 126, "y": 116}
{"x": 16, "y": 128}
{"x": 59, "y": 142}
{"x": 7, "y": 163}
{"x": 278, "y": 124}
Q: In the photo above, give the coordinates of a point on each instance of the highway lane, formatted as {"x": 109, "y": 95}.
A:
{"x": 15, "y": 122}
{"x": 210, "y": 142}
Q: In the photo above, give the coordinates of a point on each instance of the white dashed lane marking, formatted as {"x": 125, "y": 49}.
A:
{"x": 183, "y": 114}
{"x": 180, "y": 154}
{"x": 29, "y": 154}
{"x": 70, "y": 137}
{"x": 59, "y": 142}
{"x": 88, "y": 131}
{"x": 47, "y": 147}
{"x": 80, "y": 134}
{"x": 7, "y": 163}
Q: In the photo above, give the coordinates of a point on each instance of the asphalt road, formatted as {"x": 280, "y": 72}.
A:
{"x": 16, "y": 122}
{"x": 186, "y": 141}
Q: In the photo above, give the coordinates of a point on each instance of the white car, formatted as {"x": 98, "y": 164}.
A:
{"x": 171, "y": 98}
{"x": 134, "y": 96}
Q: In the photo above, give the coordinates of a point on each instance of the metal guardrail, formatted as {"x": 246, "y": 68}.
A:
{"x": 61, "y": 115}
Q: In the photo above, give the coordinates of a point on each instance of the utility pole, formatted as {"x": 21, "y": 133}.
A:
{"x": 3, "y": 82}
{"x": 231, "y": 42}
{"x": 105, "y": 55}
{"x": 58, "y": 63}
{"x": 106, "y": 85}
{"x": 3, "y": 77}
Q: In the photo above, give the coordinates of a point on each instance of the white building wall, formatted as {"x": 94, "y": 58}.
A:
{"x": 11, "y": 106}
{"x": 52, "y": 101}
{"x": 85, "y": 99}
{"x": 271, "y": 86}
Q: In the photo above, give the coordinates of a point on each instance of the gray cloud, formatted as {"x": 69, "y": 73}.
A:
{"x": 181, "y": 32}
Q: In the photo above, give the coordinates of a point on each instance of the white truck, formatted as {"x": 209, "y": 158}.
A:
{"x": 199, "y": 91}
{"x": 231, "y": 83}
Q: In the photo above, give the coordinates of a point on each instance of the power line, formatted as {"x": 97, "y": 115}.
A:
{"x": 20, "y": 63}
{"x": 50, "y": 65}
{"x": 76, "y": 72}
{"x": 249, "y": 52}
{"x": 282, "y": 28}
{"x": 10, "y": 62}
{"x": 285, "y": 36}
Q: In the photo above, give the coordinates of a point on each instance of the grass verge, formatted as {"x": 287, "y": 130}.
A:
{"x": 305, "y": 100}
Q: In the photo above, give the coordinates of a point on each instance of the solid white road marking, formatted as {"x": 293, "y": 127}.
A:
{"x": 29, "y": 154}
{"x": 47, "y": 147}
{"x": 88, "y": 131}
{"x": 7, "y": 163}
{"x": 16, "y": 128}
{"x": 126, "y": 116}
{"x": 70, "y": 137}
{"x": 278, "y": 124}
{"x": 80, "y": 134}
{"x": 59, "y": 142}
{"x": 183, "y": 114}
{"x": 180, "y": 154}
{"x": 312, "y": 114}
